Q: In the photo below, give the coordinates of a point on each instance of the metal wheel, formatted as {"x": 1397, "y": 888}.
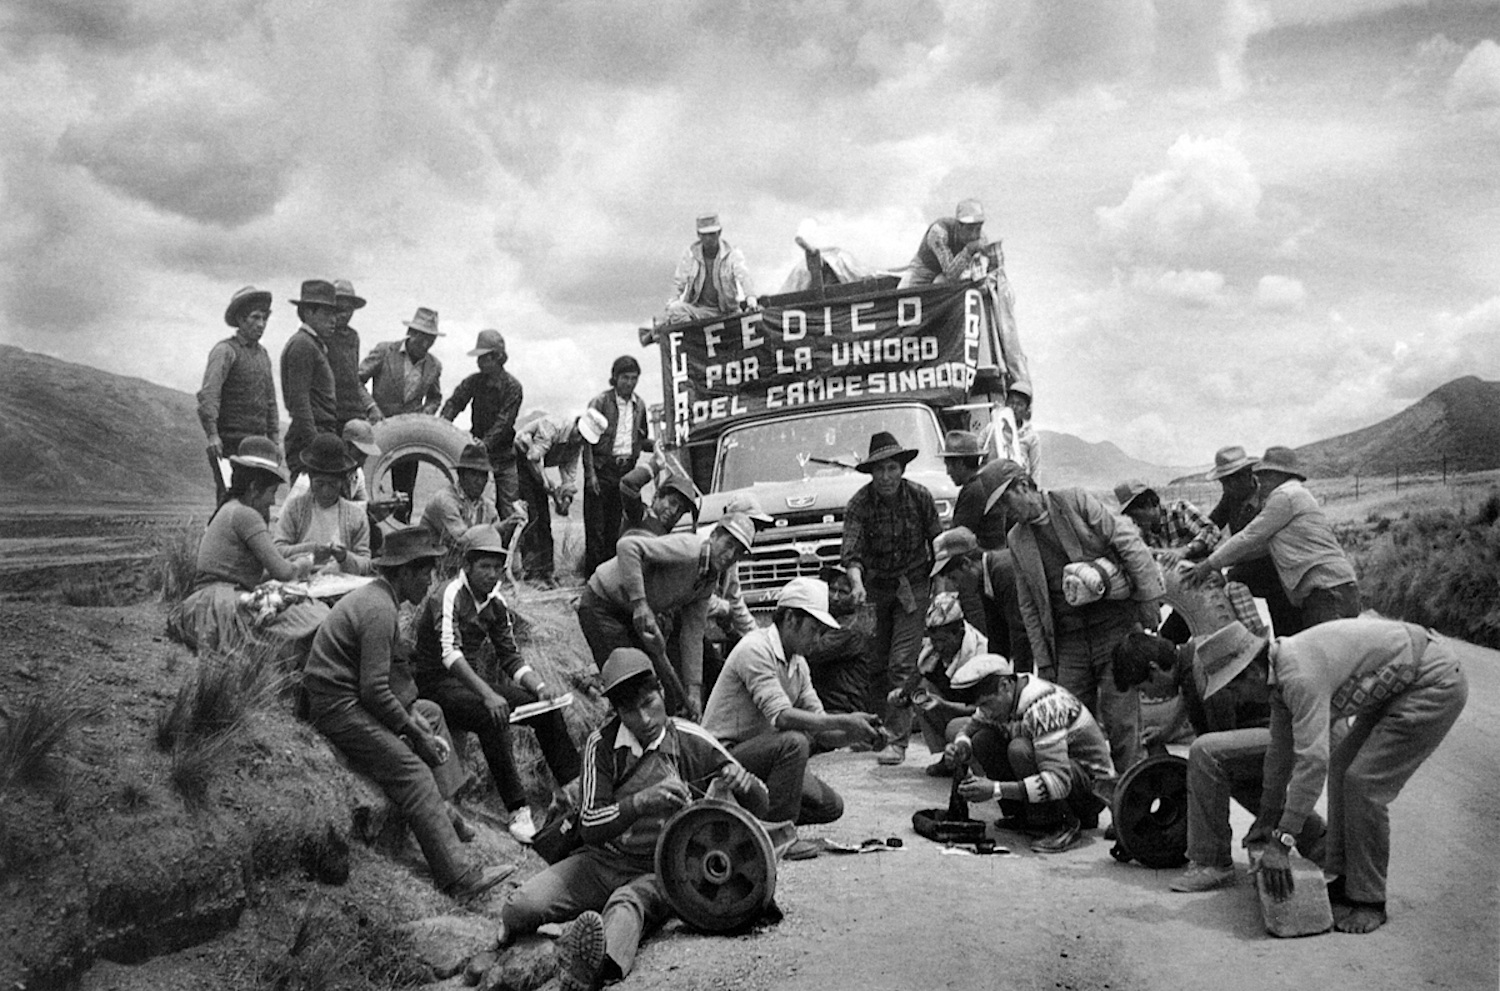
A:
{"x": 717, "y": 866}
{"x": 1151, "y": 812}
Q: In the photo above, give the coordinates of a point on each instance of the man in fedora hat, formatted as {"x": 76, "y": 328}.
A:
{"x": 1402, "y": 688}
{"x": 1239, "y": 502}
{"x": 711, "y": 278}
{"x": 549, "y": 451}
{"x": 1175, "y": 531}
{"x": 367, "y": 707}
{"x": 319, "y": 520}
{"x": 405, "y": 377}
{"x": 1221, "y": 679}
{"x": 354, "y": 400}
{"x": 949, "y": 247}
{"x": 466, "y": 660}
{"x": 496, "y": 395}
{"x": 1034, "y": 748}
{"x": 460, "y": 505}
{"x": 1315, "y": 573}
{"x": 307, "y": 384}
{"x": 238, "y": 398}
{"x": 642, "y": 767}
{"x": 650, "y": 577}
{"x": 889, "y": 527}
{"x": 611, "y": 458}
{"x": 764, "y": 709}
{"x": 1072, "y": 646}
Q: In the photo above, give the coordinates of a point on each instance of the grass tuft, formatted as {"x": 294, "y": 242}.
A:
{"x": 351, "y": 947}
{"x": 217, "y": 695}
{"x": 196, "y": 764}
{"x": 32, "y": 740}
{"x": 176, "y": 562}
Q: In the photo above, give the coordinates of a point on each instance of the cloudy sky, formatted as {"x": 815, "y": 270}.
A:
{"x": 1253, "y": 221}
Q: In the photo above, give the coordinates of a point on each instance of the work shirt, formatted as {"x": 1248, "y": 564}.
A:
{"x": 307, "y": 387}
{"x": 1182, "y": 525}
{"x": 891, "y": 537}
{"x": 449, "y": 513}
{"x": 1346, "y": 667}
{"x": 454, "y": 625}
{"x": 351, "y": 660}
{"x": 496, "y": 406}
{"x": 759, "y": 682}
{"x": 1061, "y": 731}
{"x": 238, "y": 398}
{"x": 616, "y": 766}
{"x": 1291, "y": 525}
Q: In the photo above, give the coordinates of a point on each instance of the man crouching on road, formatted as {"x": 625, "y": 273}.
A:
{"x": 353, "y": 703}
{"x": 1043, "y": 756}
{"x": 639, "y": 768}
{"x": 1404, "y": 688}
{"x": 764, "y": 709}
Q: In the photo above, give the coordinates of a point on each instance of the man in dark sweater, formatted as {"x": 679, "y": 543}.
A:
{"x": 307, "y": 385}
{"x": 496, "y": 395}
{"x": 354, "y": 702}
{"x": 353, "y": 400}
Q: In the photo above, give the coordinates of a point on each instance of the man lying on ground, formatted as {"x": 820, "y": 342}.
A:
{"x": 642, "y": 766}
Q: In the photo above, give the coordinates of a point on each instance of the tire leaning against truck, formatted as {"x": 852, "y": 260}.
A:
{"x": 429, "y": 438}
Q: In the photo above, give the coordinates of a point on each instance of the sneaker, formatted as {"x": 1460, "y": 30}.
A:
{"x": 1203, "y": 877}
{"x": 940, "y": 768}
{"x": 521, "y": 826}
{"x": 1064, "y": 838}
{"x": 891, "y": 756}
{"x": 580, "y": 953}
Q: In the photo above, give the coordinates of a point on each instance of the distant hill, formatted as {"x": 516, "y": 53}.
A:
{"x": 75, "y": 435}
{"x": 1459, "y": 421}
{"x": 1070, "y": 461}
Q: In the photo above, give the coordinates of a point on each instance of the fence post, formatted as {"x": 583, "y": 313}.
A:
{"x": 1356, "y": 486}
{"x": 1445, "y": 469}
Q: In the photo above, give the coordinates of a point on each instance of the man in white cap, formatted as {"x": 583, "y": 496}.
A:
{"x": 1315, "y": 572}
{"x": 1038, "y": 752}
{"x": 549, "y": 451}
{"x": 764, "y": 708}
{"x": 238, "y": 398}
{"x": 354, "y": 400}
{"x": 496, "y": 395}
{"x": 711, "y": 278}
{"x": 641, "y": 767}
{"x": 651, "y": 576}
{"x": 405, "y": 377}
{"x": 949, "y": 247}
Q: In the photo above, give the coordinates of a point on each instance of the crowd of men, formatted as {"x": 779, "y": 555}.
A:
{"x": 1015, "y": 638}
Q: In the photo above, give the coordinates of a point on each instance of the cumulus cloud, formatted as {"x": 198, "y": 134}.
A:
{"x": 1476, "y": 83}
{"x": 1450, "y": 346}
{"x": 1279, "y": 292}
{"x": 1206, "y": 199}
{"x": 1200, "y": 288}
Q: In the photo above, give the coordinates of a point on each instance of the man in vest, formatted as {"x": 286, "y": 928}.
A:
{"x": 238, "y": 398}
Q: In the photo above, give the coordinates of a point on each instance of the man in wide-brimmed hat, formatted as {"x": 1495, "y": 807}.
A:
{"x": 612, "y": 458}
{"x": 238, "y": 398}
{"x": 711, "y": 278}
{"x": 1073, "y": 645}
{"x": 405, "y": 377}
{"x": 367, "y": 707}
{"x": 307, "y": 385}
{"x": 889, "y": 527}
{"x": 496, "y": 395}
{"x": 1315, "y": 573}
{"x": 1239, "y": 502}
{"x": 460, "y": 505}
{"x": 354, "y": 400}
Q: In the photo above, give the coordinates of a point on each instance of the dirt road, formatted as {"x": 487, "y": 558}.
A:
{"x": 919, "y": 919}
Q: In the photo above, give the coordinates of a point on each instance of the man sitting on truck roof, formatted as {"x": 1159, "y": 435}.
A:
{"x": 889, "y": 527}
{"x": 949, "y": 247}
{"x": 711, "y": 278}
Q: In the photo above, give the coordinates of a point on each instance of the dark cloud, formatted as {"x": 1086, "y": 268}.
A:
{"x": 185, "y": 157}
{"x": 119, "y": 25}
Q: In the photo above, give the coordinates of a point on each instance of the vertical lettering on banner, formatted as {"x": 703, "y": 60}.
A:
{"x": 908, "y": 311}
{"x": 677, "y": 371}
{"x": 973, "y": 325}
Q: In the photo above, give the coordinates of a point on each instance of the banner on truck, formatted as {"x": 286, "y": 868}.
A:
{"x": 921, "y": 343}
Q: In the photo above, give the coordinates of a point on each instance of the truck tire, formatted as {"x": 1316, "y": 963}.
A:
{"x": 428, "y": 438}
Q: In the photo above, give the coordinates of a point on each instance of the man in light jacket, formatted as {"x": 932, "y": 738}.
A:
{"x": 711, "y": 278}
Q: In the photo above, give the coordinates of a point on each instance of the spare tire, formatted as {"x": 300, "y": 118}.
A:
{"x": 427, "y": 438}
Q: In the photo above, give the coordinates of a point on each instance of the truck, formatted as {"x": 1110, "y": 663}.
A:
{"x": 779, "y": 404}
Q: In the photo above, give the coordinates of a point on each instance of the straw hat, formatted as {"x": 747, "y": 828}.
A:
{"x": 243, "y": 299}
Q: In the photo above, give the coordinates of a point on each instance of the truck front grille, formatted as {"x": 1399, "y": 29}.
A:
{"x": 768, "y": 568}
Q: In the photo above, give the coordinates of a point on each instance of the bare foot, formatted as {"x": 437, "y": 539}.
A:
{"x": 1361, "y": 919}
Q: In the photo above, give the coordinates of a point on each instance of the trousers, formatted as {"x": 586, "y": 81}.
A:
{"x": 894, "y": 649}
{"x": 1015, "y": 760}
{"x": 1223, "y": 766}
{"x": 593, "y": 879}
{"x": 1085, "y": 667}
{"x": 602, "y": 513}
{"x": 536, "y": 543}
{"x": 797, "y": 795}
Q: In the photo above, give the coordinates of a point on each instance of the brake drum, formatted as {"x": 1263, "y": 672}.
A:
{"x": 717, "y": 865}
{"x": 1151, "y": 812}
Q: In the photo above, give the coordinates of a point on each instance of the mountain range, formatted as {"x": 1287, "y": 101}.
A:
{"x": 72, "y": 434}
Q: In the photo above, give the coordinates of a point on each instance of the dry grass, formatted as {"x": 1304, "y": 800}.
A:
{"x": 94, "y": 591}
{"x": 32, "y": 740}
{"x": 176, "y": 561}
{"x": 347, "y": 947}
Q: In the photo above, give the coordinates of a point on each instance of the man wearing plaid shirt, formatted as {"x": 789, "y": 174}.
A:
{"x": 1175, "y": 531}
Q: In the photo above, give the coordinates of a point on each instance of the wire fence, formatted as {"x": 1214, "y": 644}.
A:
{"x": 1440, "y": 473}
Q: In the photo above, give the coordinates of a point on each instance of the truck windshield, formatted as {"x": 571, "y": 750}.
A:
{"x": 789, "y": 449}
